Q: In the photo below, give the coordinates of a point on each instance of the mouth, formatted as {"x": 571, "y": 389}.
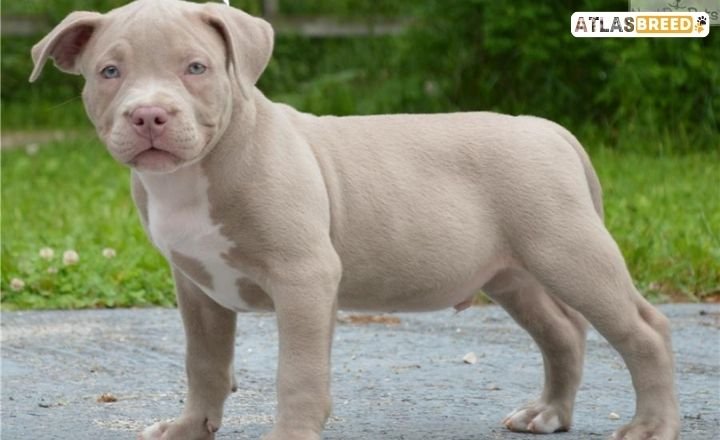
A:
{"x": 154, "y": 159}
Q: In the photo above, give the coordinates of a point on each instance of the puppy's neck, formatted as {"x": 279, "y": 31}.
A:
{"x": 179, "y": 183}
{"x": 240, "y": 131}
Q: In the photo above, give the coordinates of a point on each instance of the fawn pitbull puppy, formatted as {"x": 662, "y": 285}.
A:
{"x": 257, "y": 206}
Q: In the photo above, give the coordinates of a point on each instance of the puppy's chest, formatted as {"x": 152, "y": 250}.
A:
{"x": 181, "y": 227}
{"x": 186, "y": 229}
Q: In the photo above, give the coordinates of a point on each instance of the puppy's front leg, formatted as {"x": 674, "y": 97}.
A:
{"x": 306, "y": 316}
{"x": 210, "y": 340}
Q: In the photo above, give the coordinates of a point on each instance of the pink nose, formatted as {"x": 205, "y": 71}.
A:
{"x": 149, "y": 121}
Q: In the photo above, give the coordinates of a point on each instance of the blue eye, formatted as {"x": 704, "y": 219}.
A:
{"x": 196, "y": 68}
{"x": 110, "y": 72}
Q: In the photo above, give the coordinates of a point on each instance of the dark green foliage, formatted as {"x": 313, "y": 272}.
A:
{"x": 347, "y": 8}
{"x": 58, "y": 9}
{"x": 515, "y": 57}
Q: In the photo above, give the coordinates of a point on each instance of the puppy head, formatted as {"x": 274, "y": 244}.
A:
{"x": 162, "y": 77}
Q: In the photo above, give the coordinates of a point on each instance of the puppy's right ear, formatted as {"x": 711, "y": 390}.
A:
{"x": 65, "y": 43}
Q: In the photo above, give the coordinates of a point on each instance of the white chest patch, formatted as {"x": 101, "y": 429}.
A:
{"x": 180, "y": 226}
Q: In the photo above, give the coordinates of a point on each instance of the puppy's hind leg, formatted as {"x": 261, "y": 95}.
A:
{"x": 559, "y": 331}
{"x": 581, "y": 265}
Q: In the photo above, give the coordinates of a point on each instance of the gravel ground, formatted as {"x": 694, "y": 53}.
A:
{"x": 403, "y": 380}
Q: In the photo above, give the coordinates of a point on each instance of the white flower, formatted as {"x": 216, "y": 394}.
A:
{"x": 17, "y": 284}
{"x": 31, "y": 149}
{"x": 46, "y": 253}
{"x": 70, "y": 257}
{"x": 52, "y": 270}
{"x": 109, "y": 253}
{"x": 430, "y": 88}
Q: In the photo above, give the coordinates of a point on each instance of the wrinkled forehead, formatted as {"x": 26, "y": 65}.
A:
{"x": 155, "y": 30}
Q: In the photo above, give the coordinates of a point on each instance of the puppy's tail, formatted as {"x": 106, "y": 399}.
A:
{"x": 590, "y": 174}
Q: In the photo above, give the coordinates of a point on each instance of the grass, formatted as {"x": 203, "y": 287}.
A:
{"x": 73, "y": 196}
{"x": 664, "y": 212}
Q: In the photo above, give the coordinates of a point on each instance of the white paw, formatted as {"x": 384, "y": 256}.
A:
{"x": 283, "y": 434}
{"x": 183, "y": 428}
{"x": 662, "y": 429}
{"x": 154, "y": 432}
{"x": 538, "y": 418}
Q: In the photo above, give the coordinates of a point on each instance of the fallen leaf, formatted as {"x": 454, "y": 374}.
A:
{"x": 106, "y": 398}
{"x": 369, "y": 319}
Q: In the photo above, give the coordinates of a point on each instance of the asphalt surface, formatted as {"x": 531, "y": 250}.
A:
{"x": 403, "y": 381}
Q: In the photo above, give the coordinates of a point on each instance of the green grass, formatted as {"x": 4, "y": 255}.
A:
{"x": 73, "y": 196}
{"x": 664, "y": 212}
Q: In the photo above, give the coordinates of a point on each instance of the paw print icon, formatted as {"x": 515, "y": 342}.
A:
{"x": 702, "y": 21}
{"x": 700, "y": 24}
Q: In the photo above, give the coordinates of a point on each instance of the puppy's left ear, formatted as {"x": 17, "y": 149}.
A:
{"x": 249, "y": 41}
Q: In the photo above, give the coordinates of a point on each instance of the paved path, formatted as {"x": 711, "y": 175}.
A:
{"x": 391, "y": 382}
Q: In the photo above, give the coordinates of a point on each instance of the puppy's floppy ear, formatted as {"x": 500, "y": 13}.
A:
{"x": 248, "y": 39}
{"x": 65, "y": 43}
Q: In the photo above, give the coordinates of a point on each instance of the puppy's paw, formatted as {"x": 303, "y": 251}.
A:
{"x": 538, "y": 418}
{"x": 154, "y": 432}
{"x": 183, "y": 428}
{"x": 656, "y": 429}
{"x": 290, "y": 434}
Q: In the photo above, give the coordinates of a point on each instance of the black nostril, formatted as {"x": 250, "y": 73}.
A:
{"x": 159, "y": 121}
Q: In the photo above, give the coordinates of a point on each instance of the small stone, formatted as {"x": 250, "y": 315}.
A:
{"x": 109, "y": 253}
{"x": 470, "y": 358}
{"x": 613, "y": 416}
